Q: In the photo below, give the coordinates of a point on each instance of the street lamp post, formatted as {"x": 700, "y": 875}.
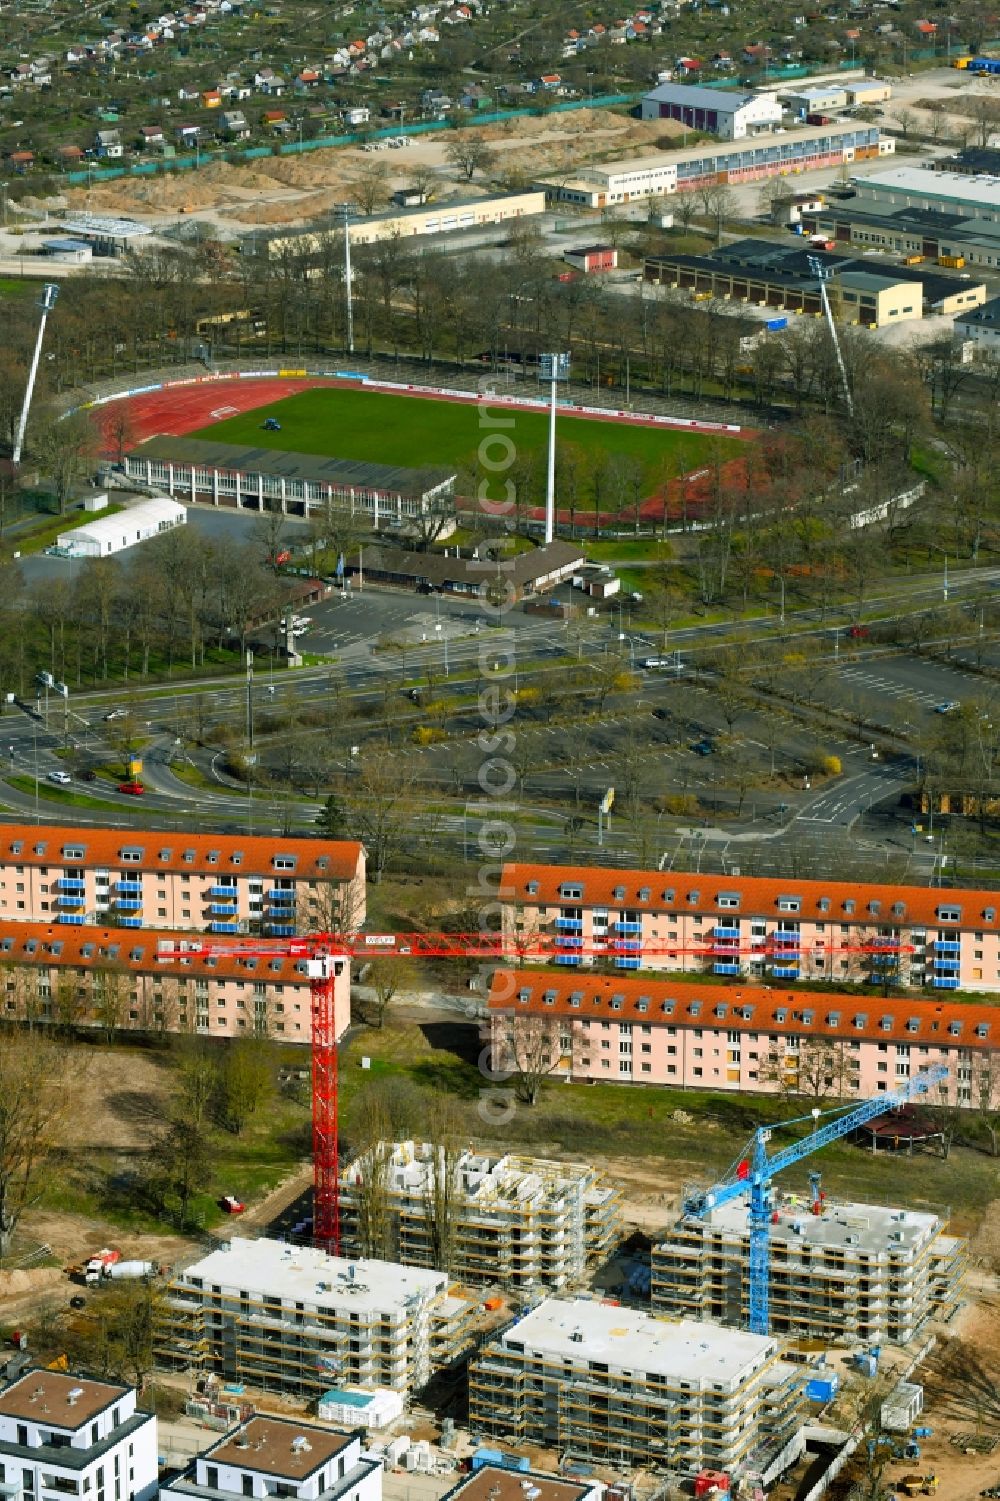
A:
{"x": 50, "y": 292}
{"x": 553, "y": 368}
{"x": 250, "y": 699}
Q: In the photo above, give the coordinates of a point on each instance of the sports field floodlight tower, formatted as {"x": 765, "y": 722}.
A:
{"x": 47, "y": 302}
{"x": 553, "y": 368}
{"x": 752, "y": 1174}
{"x": 823, "y": 273}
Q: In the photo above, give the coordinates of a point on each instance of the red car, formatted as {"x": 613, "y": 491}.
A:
{"x": 231, "y": 1204}
{"x": 134, "y": 789}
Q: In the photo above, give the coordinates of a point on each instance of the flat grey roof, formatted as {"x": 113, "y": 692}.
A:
{"x": 873, "y": 1225}
{"x": 988, "y": 312}
{"x": 343, "y": 473}
{"x": 302, "y": 1274}
{"x": 946, "y": 187}
{"x": 626, "y": 1339}
{"x": 433, "y": 568}
{"x": 701, "y": 97}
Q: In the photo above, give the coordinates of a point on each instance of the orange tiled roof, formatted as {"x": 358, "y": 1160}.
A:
{"x": 746, "y": 1008}
{"x": 683, "y": 892}
{"x": 133, "y": 949}
{"x": 316, "y": 859}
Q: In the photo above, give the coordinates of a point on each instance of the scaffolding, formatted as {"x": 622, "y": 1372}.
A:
{"x": 838, "y": 1270}
{"x": 518, "y": 1222}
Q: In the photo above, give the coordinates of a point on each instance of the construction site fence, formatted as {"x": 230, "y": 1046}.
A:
{"x": 492, "y": 117}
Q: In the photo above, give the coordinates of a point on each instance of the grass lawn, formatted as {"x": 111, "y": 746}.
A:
{"x": 602, "y": 1121}
{"x": 49, "y": 792}
{"x": 11, "y": 286}
{"x": 370, "y": 426}
{"x": 44, "y": 534}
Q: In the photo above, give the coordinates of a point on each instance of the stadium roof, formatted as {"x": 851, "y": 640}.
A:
{"x": 104, "y": 227}
{"x": 234, "y": 458}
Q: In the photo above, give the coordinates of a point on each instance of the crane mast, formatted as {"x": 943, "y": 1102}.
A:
{"x": 755, "y": 1171}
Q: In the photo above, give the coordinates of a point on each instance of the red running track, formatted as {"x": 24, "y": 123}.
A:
{"x": 176, "y": 411}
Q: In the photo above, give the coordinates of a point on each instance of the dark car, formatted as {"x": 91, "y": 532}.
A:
{"x": 704, "y": 748}
{"x": 272, "y": 425}
{"x": 661, "y": 713}
{"x": 88, "y": 774}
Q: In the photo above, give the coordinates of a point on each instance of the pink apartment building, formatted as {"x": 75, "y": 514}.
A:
{"x": 204, "y": 883}
{"x": 112, "y": 978}
{"x": 785, "y": 929}
{"x": 743, "y": 1038}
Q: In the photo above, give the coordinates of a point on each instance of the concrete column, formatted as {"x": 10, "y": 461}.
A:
{"x": 260, "y": 492}
{"x": 284, "y": 498}
{"x": 149, "y": 472}
{"x": 238, "y": 490}
{"x": 215, "y": 487}
{"x": 194, "y": 487}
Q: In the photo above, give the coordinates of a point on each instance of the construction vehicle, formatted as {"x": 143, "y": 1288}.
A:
{"x": 95, "y": 1266}
{"x": 918, "y": 1485}
{"x": 325, "y": 955}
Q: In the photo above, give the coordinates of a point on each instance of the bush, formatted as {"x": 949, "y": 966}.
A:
{"x": 425, "y": 734}
{"x": 830, "y": 766}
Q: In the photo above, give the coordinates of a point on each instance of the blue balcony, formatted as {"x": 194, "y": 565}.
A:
{"x": 787, "y": 940}
{"x": 128, "y": 885}
{"x": 626, "y": 946}
{"x": 569, "y": 924}
{"x": 947, "y": 946}
{"x": 623, "y": 963}
{"x": 74, "y": 918}
{"x": 725, "y": 931}
{"x": 628, "y": 927}
{"x": 786, "y": 971}
{"x": 280, "y": 929}
{"x": 727, "y": 969}
{"x": 70, "y": 883}
{"x": 131, "y": 922}
{"x": 571, "y": 943}
{"x": 567, "y": 958}
{"x": 223, "y": 909}
{"x": 281, "y": 894}
{"x": 223, "y": 927}
{"x": 128, "y": 904}
{"x": 947, "y": 966}
{"x": 945, "y": 982}
{"x": 226, "y": 891}
{"x": 70, "y": 901}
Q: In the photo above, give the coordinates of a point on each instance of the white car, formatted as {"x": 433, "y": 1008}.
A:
{"x": 116, "y": 714}
{"x": 62, "y": 778}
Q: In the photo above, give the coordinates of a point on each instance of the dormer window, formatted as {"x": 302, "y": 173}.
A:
{"x": 532, "y": 888}
{"x": 823, "y": 904}
{"x": 886, "y": 1024}
{"x": 860, "y": 1021}
{"x": 721, "y": 1011}
{"x": 669, "y": 894}
{"x": 574, "y": 1001}
{"x": 694, "y": 897}
{"x": 875, "y": 907}
{"x": 982, "y": 1029}
{"x": 573, "y": 893}
{"x": 642, "y": 1005}
{"x": 849, "y": 904}
{"x": 781, "y": 1014}
{"x": 913, "y": 1024}
{"x": 949, "y": 914}
{"x": 807, "y": 1018}
{"x": 789, "y": 904}
{"x": 524, "y": 996}
{"x": 616, "y": 1003}
{"x": 549, "y": 998}
{"x": 989, "y": 914}
{"x": 166, "y": 855}
{"x": 728, "y": 900}
{"x": 833, "y": 1018}
{"x": 667, "y": 1007}
{"x": 188, "y": 857}
{"x": 619, "y": 893}
{"x": 899, "y": 909}
{"x": 644, "y": 893}
{"x": 954, "y": 1029}
{"x": 695, "y": 1008}
{"x": 284, "y": 862}
{"x": 73, "y": 852}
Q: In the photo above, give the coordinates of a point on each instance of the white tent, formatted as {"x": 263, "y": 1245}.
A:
{"x": 110, "y": 534}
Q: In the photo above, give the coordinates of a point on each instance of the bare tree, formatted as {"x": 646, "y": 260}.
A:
{"x": 36, "y": 1097}
{"x": 530, "y": 1048}
{"x": 370, "y": 189}
{"x": 64, "y": 449}
{"x": 470, "y": 153}
{"x": 385, "y": 978}
{"x": 443, "y": 1190}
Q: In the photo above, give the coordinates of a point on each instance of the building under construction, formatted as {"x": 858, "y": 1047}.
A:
{"x": 521, "y": 1222}
{"x": 854, "y": 1270}
{"x": 616, "y": 1385}
{"x": 291, "y": 1319}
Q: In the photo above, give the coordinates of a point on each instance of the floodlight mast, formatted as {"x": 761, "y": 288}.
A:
{"x": 822, "y": 274}
{"x": 553, "y": 368}
{"x": 50, "y": 292}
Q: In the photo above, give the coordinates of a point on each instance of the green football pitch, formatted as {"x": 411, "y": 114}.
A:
{"x": 374, "y": 427}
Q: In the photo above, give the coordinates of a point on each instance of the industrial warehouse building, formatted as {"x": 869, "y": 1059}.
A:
{"x": 976, "y": 197}
{"x": 525, "y": 574}
{"x": 105, "y": 976}
{"x": 275, "y": 1456}
{"x": 756, "y": 927}
{"x": 521, "y": 1222}
{"x": 210, "y": 883}
{"x": 848, "y": 1271}
{"x": 721, "y": 112}
{"x": 106, "y": 535}
{"x": 258, "y": 479}
{"x": 774, "y": 155}
{"x": 784, "y": 277}
{"x": 608, "y": 1383}
{"x": 286, "y": 1318}
{"x": 754, "y": 1039}
{"x": 928, "y": 233}
{"x": 446, "y": 216}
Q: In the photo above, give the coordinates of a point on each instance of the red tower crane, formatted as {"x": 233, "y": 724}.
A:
{"x": 325, "y": 954}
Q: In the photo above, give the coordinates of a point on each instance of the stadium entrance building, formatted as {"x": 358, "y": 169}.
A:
{"x": 298, "y": 484}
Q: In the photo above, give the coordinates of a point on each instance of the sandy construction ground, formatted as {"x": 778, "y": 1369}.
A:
{"x": 289, "y": 189}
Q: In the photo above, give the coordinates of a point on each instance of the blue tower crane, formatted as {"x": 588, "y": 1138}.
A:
{"x": 753, "y": 1171}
